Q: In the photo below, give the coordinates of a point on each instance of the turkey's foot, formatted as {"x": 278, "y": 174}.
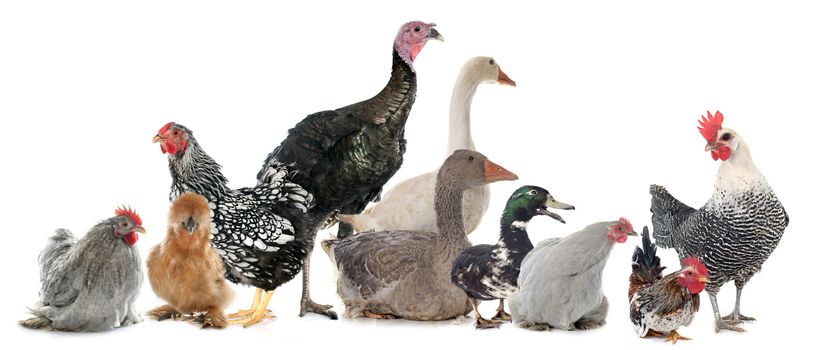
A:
{"x": 377, "y": 316}
{"x": 728, "y": 325}
{"x": 307, "y": 305}
{"x": 674, "y": 336}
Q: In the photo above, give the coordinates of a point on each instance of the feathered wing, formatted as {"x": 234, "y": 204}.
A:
{"x": 645, "y": 270}
{"x": 59, "y": 281}
{"x": 667, "y": 214}
{"x": 375, "y": 260}
{"x": 466, "y": 269}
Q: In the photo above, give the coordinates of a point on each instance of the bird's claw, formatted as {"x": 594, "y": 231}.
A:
{"x": 729, "y": 325}
{"x": 502, "y": 316}
{"x": 307, "y": 305}
{"x": 736, "y": 317}
{"x": 674, "y": 336}
{"x": 481, "y": 323}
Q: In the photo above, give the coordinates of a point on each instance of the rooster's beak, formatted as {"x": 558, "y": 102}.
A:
{"x": 140, "y": 229}
{"x": 158, "y": 138}
{"x": 703, "y": 279}
{"x": 710, "y": 147}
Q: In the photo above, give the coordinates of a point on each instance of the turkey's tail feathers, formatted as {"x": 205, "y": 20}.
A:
{"x": 59, "y": 244}
{"x": 666, "y": 212}
{"x": 645, "y": 263}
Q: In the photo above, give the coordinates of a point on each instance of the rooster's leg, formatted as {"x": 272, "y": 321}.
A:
{"x": 480, "y": 322}
{"x": 255, "y": 303}
{"x": 721, "y": 324}
{"x": 674, "y": 336}
{"x": 501, "y": 315}
{"x": 260, "y": 313}
{"x": 306, "y": 304}
{"x": 736, "y": 317}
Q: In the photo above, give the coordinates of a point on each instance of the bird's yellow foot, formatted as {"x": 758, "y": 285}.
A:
{"x": 481, "y": 323}
{"x": 252, "y": 319}
{"x": 376, "y": 316}
{"x": 674, "y": 336}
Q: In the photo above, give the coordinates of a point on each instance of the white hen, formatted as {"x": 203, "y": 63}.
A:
{"x": 409, "y": 204}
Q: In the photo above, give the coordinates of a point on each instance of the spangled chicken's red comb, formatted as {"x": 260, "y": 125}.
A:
{"x": 710, "y": 126}
{"x": 165, "y": 127}
{"x": 127, "y": 211}
{"x": 696, "y": 264}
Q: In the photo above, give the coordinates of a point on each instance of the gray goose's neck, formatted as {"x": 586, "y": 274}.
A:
{"x": 195, "y": 171}
{"x": 449, "y": 215}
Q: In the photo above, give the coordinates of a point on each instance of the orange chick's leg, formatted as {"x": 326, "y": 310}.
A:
{"x": 260, "y": 313}
{"x": 673, "y": 337}
{"x": 255, "y": 303}
{"x": 165, "y": 312}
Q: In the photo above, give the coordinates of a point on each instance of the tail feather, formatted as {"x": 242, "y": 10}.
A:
{"x": 59, "y": 244}
{"x": 666, "y": 213}
{"x": 645, "y": 262}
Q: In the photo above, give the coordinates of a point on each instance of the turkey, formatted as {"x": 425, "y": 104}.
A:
{"x": 735, "y": 231}
{"x": 344, "y": 156}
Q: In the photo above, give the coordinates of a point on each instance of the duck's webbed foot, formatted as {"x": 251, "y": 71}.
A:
{"x": 502, "y": 315}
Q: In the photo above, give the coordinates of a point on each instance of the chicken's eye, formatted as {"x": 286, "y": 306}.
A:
{"x": 175, "y": 132}
{"x": 619, "y": 228}
{"x": 726, "y": 136}
{"x": 417, "y": 29}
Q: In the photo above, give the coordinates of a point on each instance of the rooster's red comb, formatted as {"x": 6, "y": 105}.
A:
{"x": 165, "y": 127}
{"x": 127, "y": 211}
{"x": 710, "y": 126}
{"x": 697, "y": 265}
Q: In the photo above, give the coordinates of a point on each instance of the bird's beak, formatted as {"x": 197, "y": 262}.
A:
{"x": 190, "y": 225}
{"x": 434, "y": 34}
{"x": 158, "y": 138}
{"x": 633, "y": 233}
{"x": 503, "y": 79}
{"x": 711, "y": 146}
{"x": 140, "y": 229}
{"x": 552, "y": 203}
{"x": 703, "y": 279}
{"x": 494, "y": 172}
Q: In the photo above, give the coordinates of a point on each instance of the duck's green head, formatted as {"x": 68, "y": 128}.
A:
{"x": 530, "y": 201}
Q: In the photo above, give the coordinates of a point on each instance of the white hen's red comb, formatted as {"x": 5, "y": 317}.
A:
{"x": 129, "y": 212}
{"x": 710, "y": 126}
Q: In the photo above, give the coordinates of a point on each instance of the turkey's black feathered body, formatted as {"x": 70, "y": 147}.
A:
{"x": 733, "y": 234}
{"x": 344, "y": 156}
{"x": 489, "y": 272}
{"x": 251, "y": 227}
{"x": 655, "y": 302}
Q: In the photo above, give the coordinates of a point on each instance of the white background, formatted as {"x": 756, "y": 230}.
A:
{"x": 607, "y": 101}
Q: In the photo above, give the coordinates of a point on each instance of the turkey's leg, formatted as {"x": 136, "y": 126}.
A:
{"x": 721, "y": 324}
{"x": 736, "y": 317}
{"x": 501, "y": 315}
{"x": 306, "y": 304}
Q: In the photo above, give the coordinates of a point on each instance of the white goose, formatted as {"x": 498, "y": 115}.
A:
{"x": 409, "y": 204}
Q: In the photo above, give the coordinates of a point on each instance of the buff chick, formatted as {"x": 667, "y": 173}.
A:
{"x": 185, "y": 271}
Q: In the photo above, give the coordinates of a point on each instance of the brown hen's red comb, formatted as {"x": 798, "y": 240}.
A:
{"x": 127, "y": 211}
{"x": 165, "y": 127}
{"x": 696, "y": 264}
{"x": 710, "y": 126}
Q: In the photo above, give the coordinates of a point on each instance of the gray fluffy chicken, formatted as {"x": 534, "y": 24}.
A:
{"x": 560, "y": 282}
{"x": 90, "y": 284}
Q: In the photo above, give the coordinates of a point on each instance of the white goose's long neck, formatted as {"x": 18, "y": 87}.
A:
{"x": 737, "y": 175}
{"x": 459, "y": 136}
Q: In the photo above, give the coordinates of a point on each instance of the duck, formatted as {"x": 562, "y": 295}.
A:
{"x": 405, "y": 274}
{"x": 409, "y": 204}
{"x": 489, "y": 272}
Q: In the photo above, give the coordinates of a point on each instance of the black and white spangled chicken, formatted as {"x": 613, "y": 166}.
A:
{"x": 735, "y": 231}
{"x": 660, "y": 305}
{"x": 251, "y": 227}
{"x": 344, "y": 156}
{"x": 91, "y": 284}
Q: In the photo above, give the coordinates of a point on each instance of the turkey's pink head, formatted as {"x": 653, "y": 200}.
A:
{"x": 126, "y": 224}
{"x": 172, "y": 138}
{"x": 693, "y": 275}
{"x": 411, "y": 39}
{"x": 720, "y": 142}
{"x": 620, "y": 230}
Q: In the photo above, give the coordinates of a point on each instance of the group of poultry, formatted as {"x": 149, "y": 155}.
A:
{"x": 408, "y": 256}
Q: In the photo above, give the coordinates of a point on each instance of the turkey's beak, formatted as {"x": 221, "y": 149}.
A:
{"x": 158, "y": 138}
{"x": 494, "y": 172}
{"x": 552, "y": 203}
{"x": 434, "y": 34}
{"x": 190, "y": 225}
{"x": 140, "y": 229}
{"x": 503, "y": 79}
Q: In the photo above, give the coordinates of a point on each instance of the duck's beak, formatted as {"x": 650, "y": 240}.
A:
{"x": 552, "y": 203}
{"x": 494, "y": 172}
{"x": 503, "y": 79}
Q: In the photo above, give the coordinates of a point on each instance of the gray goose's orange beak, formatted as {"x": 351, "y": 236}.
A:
{"x": 494, "y": 172}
